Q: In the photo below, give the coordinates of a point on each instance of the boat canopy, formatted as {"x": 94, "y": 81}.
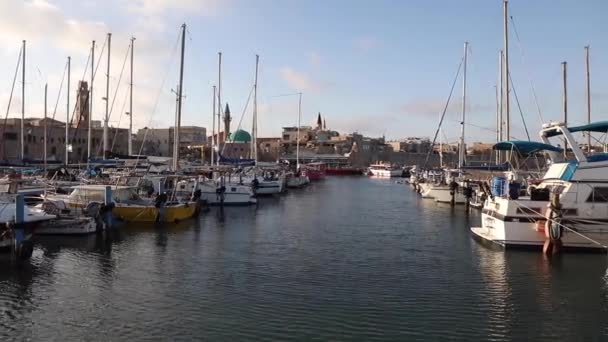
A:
{"x": 600, "y": 127}
{"x": 524, "y": 147}
{"x": 236, "y": 161}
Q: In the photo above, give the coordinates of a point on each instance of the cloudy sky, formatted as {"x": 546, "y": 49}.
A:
{"x": 378, "y": 67}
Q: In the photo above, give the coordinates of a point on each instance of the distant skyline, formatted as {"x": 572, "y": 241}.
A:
{"x": 380, "y": 68}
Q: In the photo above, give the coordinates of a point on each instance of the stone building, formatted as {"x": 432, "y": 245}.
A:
{"x": 159, "y": 141}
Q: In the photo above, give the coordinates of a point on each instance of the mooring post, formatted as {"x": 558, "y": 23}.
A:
{"x": 108, "y": 203}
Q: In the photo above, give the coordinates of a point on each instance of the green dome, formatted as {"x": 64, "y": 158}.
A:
{"x": 240, "y": 136}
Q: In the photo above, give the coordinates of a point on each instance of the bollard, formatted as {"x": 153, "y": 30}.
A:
{"x": 23, "y": 248}
{"x": 108, "y": 204}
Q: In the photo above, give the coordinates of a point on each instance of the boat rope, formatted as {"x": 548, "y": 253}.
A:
{"x": 521, "y": 113}
{"x": 444, "y": 111}
{"x": 8, "y": 106}
{"x": 124, "y": 63}
{"x": 156, "y": 101}
{"x": 523, "y": 60}
{"x": 561, "y": 225}
{"x": 60, "y": 89}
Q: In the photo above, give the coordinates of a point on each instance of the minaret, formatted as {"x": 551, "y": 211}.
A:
{"x": 227, "y": 120}
{"x": 319, "y": 121}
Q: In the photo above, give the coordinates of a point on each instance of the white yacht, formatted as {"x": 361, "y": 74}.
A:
{"x": 568, "y": 208}
{"x": 220, "y": 192}
{"x": 383, "y": 170}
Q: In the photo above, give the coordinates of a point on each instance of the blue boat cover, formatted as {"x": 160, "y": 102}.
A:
{"x": 600, "y": 127}
{"x": 236, "y": 161}
{"x": 524, "y": 147}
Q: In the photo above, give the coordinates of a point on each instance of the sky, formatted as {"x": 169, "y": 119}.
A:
{"x": 381, "y": 67}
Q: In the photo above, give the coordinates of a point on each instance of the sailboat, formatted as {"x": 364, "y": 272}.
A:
{"x": 297, "y": 179}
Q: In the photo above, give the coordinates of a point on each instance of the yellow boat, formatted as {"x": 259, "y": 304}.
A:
{"x": 150, "y": 213}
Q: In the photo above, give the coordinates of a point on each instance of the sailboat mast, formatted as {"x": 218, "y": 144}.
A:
{"x": 254, "y": 129}
{"x": 461, "y": 150}
{"x": 298, "y": 134}
{"x": 219, "y": 99}
{"x": 506, "y": 73}
{"x": 176, "y": 140}
{"x": 23, "y": 103}
{"x": 588, "y": 97}
{"x": 131, "y": 100}
{"x": 564, "y": 79}
{"x": 91, "y": 103}
{"x": 45, "y": 124}
{"x": 107, "y": 116}
{"x": 213, "y": 137}
{"x": 67, "y": 116}
{"x": 501, "y": 133}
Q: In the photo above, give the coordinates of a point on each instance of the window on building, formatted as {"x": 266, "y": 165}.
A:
{"x": 286, "y": 136}
{"x": 10, "y": 136}
{"x": 53, "y": 150}
{"x": 52, "y": 140}
{"x": 26, "y": 150}
{"x": 599, "y": 194}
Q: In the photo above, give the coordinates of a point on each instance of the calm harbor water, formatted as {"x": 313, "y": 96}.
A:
{"x": 345, "y": 259}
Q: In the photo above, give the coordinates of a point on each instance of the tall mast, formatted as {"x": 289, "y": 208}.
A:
{"x": 506, "y": 69}
{"x": 213, "y": 137}
{"x": 564, "y": 78}
{"x": 501, "y": 133}
{"x": 176, "y": 140}
{"x": 23, "y": 103}
{"x": 588, "y": 97}
{"x": 254, "y": 129}
{"x": 496, "y": 97}
{"x": 67, "y": 116}
{"x": 298, "y": 135}
{"x": 219, "y": 98}
{"x": 91, "y": 102}
{"x": 107, "y": 116}
{"x": 45, "y": 125}
{"x": 131, "y": 101}
{"x": 461, "y": 150}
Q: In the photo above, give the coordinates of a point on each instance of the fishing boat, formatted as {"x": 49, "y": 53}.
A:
{"x": 383, "y": 170}
{"x": 220, "y": 192}
{"x": 568, "y": 208}
{"x": 343, "y": 170}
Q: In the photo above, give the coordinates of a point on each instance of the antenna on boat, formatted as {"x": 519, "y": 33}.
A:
{"x": 298, "y": 134}
{"x": 219, "y": 100}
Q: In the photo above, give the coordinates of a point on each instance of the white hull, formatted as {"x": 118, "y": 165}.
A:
{"x": 213, "y": 198}
{"x": 297, "y": 181}
{"x": 385, "y": 173}
{"x": 76, "y": 226}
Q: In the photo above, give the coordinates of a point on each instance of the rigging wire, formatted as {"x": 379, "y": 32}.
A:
{"x": 8, "y": 107}
{"x": 60, "y": 89}
{"x": 160, "y": 89}
{"x": 521, "y": 113}
{"x": 124, "y": 63}
{"x": 444, "y": 111}
{"x": 242, "y": 116}
{"x": 521, "y": 49}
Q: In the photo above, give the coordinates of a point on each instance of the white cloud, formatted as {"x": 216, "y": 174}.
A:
{"x": 300, "y": 81}
{"x": 160, "y": 7}
{"x": 367, "y": 43}
{"x": 314, "y": 58}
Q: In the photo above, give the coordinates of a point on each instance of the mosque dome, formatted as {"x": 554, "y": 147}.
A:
{"x": 240, "y": 136}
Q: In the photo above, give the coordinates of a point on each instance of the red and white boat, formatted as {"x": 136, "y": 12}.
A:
{"x": 343, "y": 170}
